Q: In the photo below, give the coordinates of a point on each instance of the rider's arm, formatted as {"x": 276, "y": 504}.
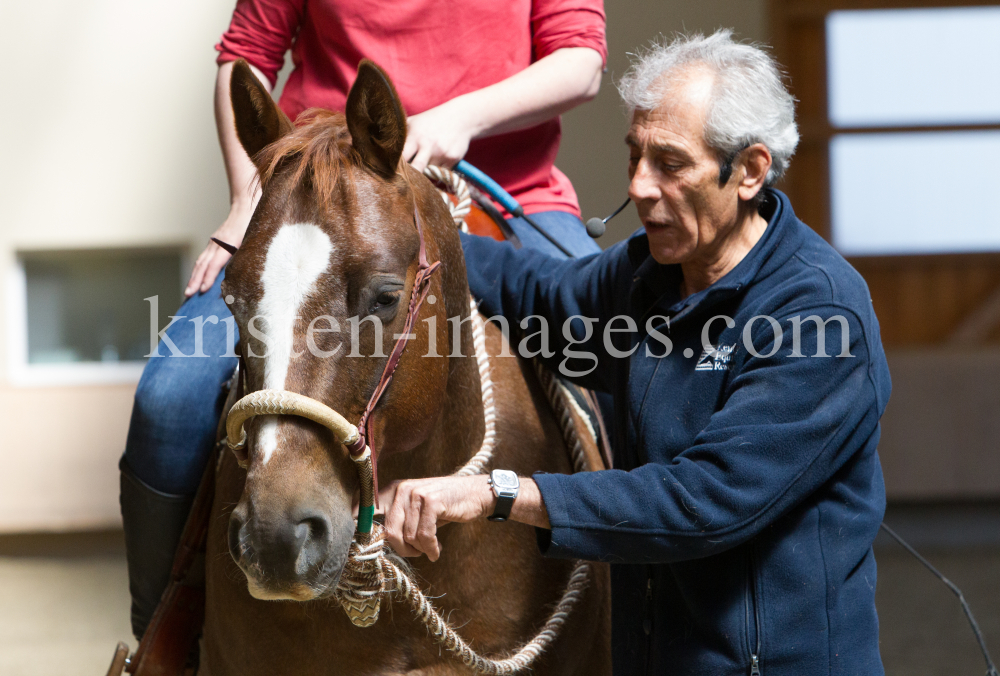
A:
{"x": 569, "y": 51}
{"x": 261, "y": 33}
{"x": 243, "y": 191}
{"x": 552, "y": 85}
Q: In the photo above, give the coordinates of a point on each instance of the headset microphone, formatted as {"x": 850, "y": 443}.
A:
{"x": 597, "y": 226}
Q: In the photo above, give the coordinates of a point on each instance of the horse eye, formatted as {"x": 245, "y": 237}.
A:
{"x": 385, "y": 299}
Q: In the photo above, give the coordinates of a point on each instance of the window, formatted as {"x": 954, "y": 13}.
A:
{"x": 84, "y": 314}
{"x": 913, "y": 66}
{"x": 915, "y": 192}
{"x": 932, "y": 76}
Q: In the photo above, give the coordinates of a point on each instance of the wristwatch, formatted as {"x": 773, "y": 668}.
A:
{"x": 505, "y": 486}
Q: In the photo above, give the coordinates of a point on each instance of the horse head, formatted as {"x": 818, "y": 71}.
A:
{"x": 320, "y": 288}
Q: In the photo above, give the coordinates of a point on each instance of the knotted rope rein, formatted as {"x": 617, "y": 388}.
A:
{"x": 369, "y": 573}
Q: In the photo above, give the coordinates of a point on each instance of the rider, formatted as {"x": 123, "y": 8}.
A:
{"x": 472, "y": 90}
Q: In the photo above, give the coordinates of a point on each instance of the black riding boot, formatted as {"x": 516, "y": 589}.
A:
{"x": 153, "y": 524}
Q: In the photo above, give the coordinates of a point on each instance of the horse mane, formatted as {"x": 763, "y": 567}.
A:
{"x": 318, "y": 149}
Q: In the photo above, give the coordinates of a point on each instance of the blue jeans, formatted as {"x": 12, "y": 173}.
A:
{"x": 179, "y": 399}
{"x": 567, "y": 229}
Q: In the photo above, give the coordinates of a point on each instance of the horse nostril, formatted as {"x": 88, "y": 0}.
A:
{"x": 312, "y": 539}
{"x": 316, "y": 527}
{"x": 235, "y": 536}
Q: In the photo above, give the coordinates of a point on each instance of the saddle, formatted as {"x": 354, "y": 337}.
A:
{"x": 170, "y": 645}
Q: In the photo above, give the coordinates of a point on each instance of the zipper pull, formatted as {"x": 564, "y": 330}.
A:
{"x": 647, "y": 620}
{"x": 754, "y": 666}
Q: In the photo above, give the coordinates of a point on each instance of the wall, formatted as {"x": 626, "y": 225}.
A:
{"x": 109, "y": 142}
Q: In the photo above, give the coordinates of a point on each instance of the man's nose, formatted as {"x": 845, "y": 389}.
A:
{"x": 644, "y": 184}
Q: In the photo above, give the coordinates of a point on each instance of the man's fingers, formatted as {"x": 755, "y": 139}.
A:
{"x": 421, "y": 505}
{"x": 394, "y": 519}
{"x": 411, "y": 518}
{"x": 426, "y": 533}
{"x": 406, "y": 550}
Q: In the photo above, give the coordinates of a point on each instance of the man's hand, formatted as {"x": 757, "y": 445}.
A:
{"x": 439, "y": 136}
{"x": 214, "y": 257}
{"x": 415, "y": 509}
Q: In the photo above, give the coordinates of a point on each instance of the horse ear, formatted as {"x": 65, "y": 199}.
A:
{"x": 376, "y": 119}
{"x": 259, "y": 121}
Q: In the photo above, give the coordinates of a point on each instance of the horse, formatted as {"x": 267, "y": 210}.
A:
{"x": 333, "y": 244}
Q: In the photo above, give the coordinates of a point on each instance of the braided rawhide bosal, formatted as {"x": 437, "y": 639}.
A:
{"x": 362, "y": 577}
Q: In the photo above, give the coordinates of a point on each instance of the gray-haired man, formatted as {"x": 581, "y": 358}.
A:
{"x": 748, "y": 378}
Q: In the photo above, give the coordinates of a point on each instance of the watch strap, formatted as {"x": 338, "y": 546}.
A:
{"x": 502, "y": 511}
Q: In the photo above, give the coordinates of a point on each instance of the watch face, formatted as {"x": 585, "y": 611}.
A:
{"x": 504, "y": 479}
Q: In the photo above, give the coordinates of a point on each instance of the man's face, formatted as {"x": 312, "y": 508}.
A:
{"x": 675, "y": 177}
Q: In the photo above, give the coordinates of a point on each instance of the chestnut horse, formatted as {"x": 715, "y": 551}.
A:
{"x": 333, "y": 239}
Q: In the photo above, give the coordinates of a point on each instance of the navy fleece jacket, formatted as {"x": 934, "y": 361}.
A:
{"x": 747, "y": 489}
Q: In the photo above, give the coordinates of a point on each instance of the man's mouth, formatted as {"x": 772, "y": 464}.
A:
{"x": 655, "y": 225}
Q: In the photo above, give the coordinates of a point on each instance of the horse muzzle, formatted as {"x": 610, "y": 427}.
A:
{"x": 291, "y": 551}
{"x": 298, "y": 555}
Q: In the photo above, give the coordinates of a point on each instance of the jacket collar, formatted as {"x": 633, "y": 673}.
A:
{"x": 656, "y": 287}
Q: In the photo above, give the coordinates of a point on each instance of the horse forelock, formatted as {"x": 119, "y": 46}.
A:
{"x": 318, "y": 149}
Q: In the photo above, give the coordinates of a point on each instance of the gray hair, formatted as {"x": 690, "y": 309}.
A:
{"x": 749, "y": 103}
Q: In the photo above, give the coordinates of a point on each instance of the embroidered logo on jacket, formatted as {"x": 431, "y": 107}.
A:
{"x": 715, "y": 358}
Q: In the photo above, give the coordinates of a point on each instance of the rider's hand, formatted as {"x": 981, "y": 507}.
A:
{"x": 439, "y": 136}
{"x": 214, "y": 257}
{"x": 415, "y": 508}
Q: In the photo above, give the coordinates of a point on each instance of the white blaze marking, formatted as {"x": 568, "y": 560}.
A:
{"x": 297, "y": 256}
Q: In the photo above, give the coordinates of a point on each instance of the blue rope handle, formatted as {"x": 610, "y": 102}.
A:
{"x": 491, "y": 187}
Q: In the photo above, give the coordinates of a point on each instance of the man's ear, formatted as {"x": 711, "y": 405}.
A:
{"x": 376, "y": 119}
{"x": 755, "y": 162}
{"x": 259, "y": 121}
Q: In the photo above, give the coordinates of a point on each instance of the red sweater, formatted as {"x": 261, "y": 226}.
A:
{"x": 434, "y": 50}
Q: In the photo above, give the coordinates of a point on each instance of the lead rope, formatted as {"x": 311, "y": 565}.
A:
{"x": 370, "y": 574}
{"x": 477, "y": 464}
